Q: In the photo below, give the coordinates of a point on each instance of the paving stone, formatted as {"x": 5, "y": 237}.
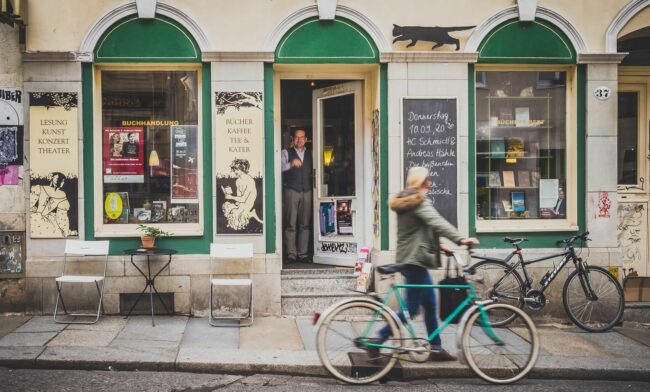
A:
{"x": 118, "y": 358}
{"x": 269, "y": 333}
{"x": 641, "y": 335}
{"x": 307, "y": 332}
{"x": 41, "y": 324}
{"x": 167, "y": 328}
{"x": 200, "y": 334}
{"x": 104, "y": 323}
{"x": 12, "y": 356}
{"x": 10, "y": 323}
{"x": 91, "y": 338}
{"x": 16, "y": 339}
{"x": 568, "y": 343}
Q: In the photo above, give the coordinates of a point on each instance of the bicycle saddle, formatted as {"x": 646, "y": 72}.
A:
{"x": 389, "y": 268}
{"x": 511, "y": 240}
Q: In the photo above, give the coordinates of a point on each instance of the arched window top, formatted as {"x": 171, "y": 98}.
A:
{"x": 537, "y": 42}
{"x": 147, "y": 40}
{"x": 336, "y": 41}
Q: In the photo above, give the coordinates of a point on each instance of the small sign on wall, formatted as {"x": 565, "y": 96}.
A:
{"x": 602, "y": 92}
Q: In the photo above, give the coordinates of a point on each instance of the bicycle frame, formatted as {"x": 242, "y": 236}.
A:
{"x": 566, "y": 255}
{"x": 467, "y": 303}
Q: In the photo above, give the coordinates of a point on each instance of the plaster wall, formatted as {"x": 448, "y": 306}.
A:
{"x": 227, "y": 25}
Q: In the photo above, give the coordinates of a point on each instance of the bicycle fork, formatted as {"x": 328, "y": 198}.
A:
{"x": 583, "y": 276}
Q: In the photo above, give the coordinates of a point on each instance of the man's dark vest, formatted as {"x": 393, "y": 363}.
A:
{"x": 299, "y": 178}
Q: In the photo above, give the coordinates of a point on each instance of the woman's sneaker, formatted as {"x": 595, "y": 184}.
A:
{"x": 441, "y": 355}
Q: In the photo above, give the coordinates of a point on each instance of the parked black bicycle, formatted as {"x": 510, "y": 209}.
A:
{"x": 592, "y": 297}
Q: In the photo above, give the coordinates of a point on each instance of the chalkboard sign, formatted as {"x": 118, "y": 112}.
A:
{"x": 430, "y": 129}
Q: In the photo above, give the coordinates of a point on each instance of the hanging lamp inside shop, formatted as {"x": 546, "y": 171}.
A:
{"x": 153, "y": 156}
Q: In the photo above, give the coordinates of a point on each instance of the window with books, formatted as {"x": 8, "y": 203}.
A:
{"x": 149, "y": 148}
{"x": 521, "y": 145}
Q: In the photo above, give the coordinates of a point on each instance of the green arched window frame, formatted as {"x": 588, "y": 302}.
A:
{"x": 147, "y": 40}
{"x": 515, "y": 45}
{"x": 537, "y": 42}
{"x": 160, "y": 42}
{"x": 337, "y": 41}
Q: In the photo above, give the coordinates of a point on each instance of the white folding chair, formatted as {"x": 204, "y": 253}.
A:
{"x": 221, "y": 253}
{"x": 80, "y": 249}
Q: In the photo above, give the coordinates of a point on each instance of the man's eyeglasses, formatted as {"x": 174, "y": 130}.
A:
{"x": 300, "y": 137}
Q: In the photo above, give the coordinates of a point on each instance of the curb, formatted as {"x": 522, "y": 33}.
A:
{"x": 410, "y": 373}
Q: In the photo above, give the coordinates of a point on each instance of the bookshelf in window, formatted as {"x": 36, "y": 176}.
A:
{"x": 515, "y": 147}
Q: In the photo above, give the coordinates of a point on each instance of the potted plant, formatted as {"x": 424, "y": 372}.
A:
{"x": 149, "y": 235}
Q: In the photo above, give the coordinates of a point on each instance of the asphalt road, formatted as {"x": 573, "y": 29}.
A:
{"x": 99, "y": 381}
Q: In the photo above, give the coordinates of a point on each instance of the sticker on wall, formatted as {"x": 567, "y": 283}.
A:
{"x": 239, "y": 146}
{"x": 113, "y": 205}
{"x": 9, "y": 175}
{"x": 54, "y": 165}
{"x": 123, "y": 155}
{"x": 11, "y": 145}
{"x": 11, "y": 106}
{"x": 12, "y": 252}
{"x": 184, "y": 179}
{"x": 11, "y": 128}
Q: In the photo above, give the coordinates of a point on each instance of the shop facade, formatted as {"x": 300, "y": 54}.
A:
{"x": 529, "y": 115}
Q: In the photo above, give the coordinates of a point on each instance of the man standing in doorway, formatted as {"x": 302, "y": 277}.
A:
{"x": 298, "y": 183}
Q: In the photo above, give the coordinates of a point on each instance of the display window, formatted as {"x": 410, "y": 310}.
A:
{"x": 524, "y": 160}
{"x": 148, "y": 153}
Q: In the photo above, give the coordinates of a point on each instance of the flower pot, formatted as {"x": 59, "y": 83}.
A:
{"x": 148, "y": 242}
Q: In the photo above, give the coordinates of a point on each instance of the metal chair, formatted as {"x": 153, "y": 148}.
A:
{"x": 77, "y": 248}
{"x": 221, "y": 253}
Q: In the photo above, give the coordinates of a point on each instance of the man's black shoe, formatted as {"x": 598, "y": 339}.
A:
{"x": 306, "y": 259}
{"x": 290, "y": 261}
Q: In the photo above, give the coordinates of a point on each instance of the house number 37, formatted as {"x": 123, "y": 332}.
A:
{"x": 602, "y": 92}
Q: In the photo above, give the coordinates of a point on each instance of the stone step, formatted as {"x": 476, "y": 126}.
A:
{"x": 318, "y": 271}
{"x": 319, "y": 284}
{"x": 306, "y": 304}
{"x": 637, "y": 311}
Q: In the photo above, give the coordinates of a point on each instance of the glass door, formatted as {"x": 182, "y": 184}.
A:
{"x": 338, "y": 166}
{"x": 632, "y": 168}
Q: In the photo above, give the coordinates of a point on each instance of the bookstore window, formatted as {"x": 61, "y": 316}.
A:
{"x": 521, "y": 146}
{"x": 149, "y": 149}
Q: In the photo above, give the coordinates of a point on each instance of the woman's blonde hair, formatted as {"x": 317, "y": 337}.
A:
{"x": 416, "y": 177}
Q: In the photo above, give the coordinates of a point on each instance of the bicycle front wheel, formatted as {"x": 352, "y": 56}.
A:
{"x": 341, "y": 342}
{"x": 500, "y": 355}
{"x": 595, "y": 314}
{"x": 500, "y": 287}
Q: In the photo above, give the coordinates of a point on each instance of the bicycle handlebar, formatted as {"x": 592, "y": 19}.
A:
{"x": 569, "y": 241}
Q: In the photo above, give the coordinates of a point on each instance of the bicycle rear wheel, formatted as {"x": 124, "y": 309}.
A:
{"x": 500, "y": 288}
{"x": 340, "y": 342}
{"x": 593, "y": 315}
{"x": 508, "y": 359}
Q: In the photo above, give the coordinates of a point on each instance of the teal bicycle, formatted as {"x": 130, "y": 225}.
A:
{"x": 347, "y": 330}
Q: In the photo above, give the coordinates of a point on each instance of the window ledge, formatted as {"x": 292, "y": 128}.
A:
{"x": 524, "y": 227}
{"x": 130, "y": 230}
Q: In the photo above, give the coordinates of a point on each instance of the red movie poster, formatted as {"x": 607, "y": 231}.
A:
{"x": 123, "y": 155}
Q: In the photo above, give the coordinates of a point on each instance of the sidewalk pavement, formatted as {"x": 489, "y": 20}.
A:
{"x": 284, "y": 345}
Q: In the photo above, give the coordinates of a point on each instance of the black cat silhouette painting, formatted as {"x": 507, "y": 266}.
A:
{"x": 439, "y": 35}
